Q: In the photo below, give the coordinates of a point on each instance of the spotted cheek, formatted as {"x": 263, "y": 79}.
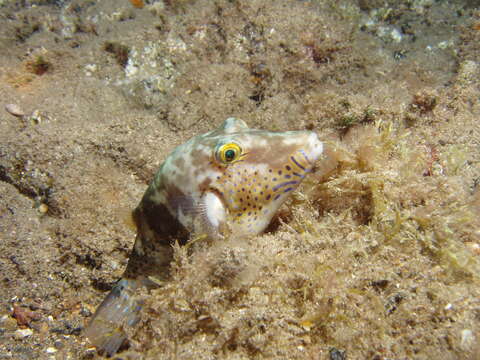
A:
{"x": 251, "y": 213}
{"x": 246, "y": 213}
{"x": 252, "y": 194}
{"x": 250, "y": 221}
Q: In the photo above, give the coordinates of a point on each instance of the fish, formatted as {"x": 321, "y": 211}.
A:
{"x": 226, "y": 183}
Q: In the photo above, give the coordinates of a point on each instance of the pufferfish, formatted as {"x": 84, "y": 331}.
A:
{"x": 228, "y": 182}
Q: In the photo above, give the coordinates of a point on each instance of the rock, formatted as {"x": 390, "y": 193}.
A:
{"x": 43, "y": 208}
{"x": 336, "y": 354}
{"x": 24, "y": 316}
{"x": 15, "y": 110}
{"x": 22, "y": 333}
{"x": 51, "y": 350}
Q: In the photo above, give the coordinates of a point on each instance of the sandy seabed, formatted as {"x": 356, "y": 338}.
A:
{"x": 375, "y": 257}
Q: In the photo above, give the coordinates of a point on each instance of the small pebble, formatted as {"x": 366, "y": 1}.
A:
{"x": 22, "y": 333}
{"x": 15, "y": 110}
{"x": 85, "y": 312}
{"x": 89, "y": 353}
{"x": 43, "y": 208}
{"x": 24, "y": 316}
{"x": 51, "y": 350}
{"x": 336, "y": 354}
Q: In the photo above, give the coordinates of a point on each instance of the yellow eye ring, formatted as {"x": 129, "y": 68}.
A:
{"x": 229, "y": 153}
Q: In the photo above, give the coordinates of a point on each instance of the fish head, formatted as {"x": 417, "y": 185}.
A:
{"x": 239, "y": 176}
{"x": 258, "y": 171}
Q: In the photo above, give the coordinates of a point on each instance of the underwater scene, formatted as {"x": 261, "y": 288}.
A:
{"x": 227, "y": 179}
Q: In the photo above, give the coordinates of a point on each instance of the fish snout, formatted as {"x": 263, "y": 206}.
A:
{"x": 314, "y": 148}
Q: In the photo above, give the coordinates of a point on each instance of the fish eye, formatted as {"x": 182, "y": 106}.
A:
{"x": 229, "y": 153}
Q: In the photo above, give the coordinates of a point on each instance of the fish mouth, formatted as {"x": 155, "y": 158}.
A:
{"x": 315, "y": 149}
{"x": 304, "y": 160}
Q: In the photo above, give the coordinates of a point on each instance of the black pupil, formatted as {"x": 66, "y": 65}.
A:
{"x": 230, "y": 155}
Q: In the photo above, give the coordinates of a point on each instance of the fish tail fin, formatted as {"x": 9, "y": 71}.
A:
{"x": 120, "y": 309}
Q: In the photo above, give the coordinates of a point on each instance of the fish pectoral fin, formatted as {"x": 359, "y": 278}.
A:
{"x": 202, "y": 213}
{"x": 213, "y": 215}
{"x": 118, "y": 310}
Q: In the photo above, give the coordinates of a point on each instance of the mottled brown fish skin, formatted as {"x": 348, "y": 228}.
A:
{"x": 227, "y": 182}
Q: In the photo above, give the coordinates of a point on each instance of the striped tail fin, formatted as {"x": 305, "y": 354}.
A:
{"x": 118, "y": 310}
